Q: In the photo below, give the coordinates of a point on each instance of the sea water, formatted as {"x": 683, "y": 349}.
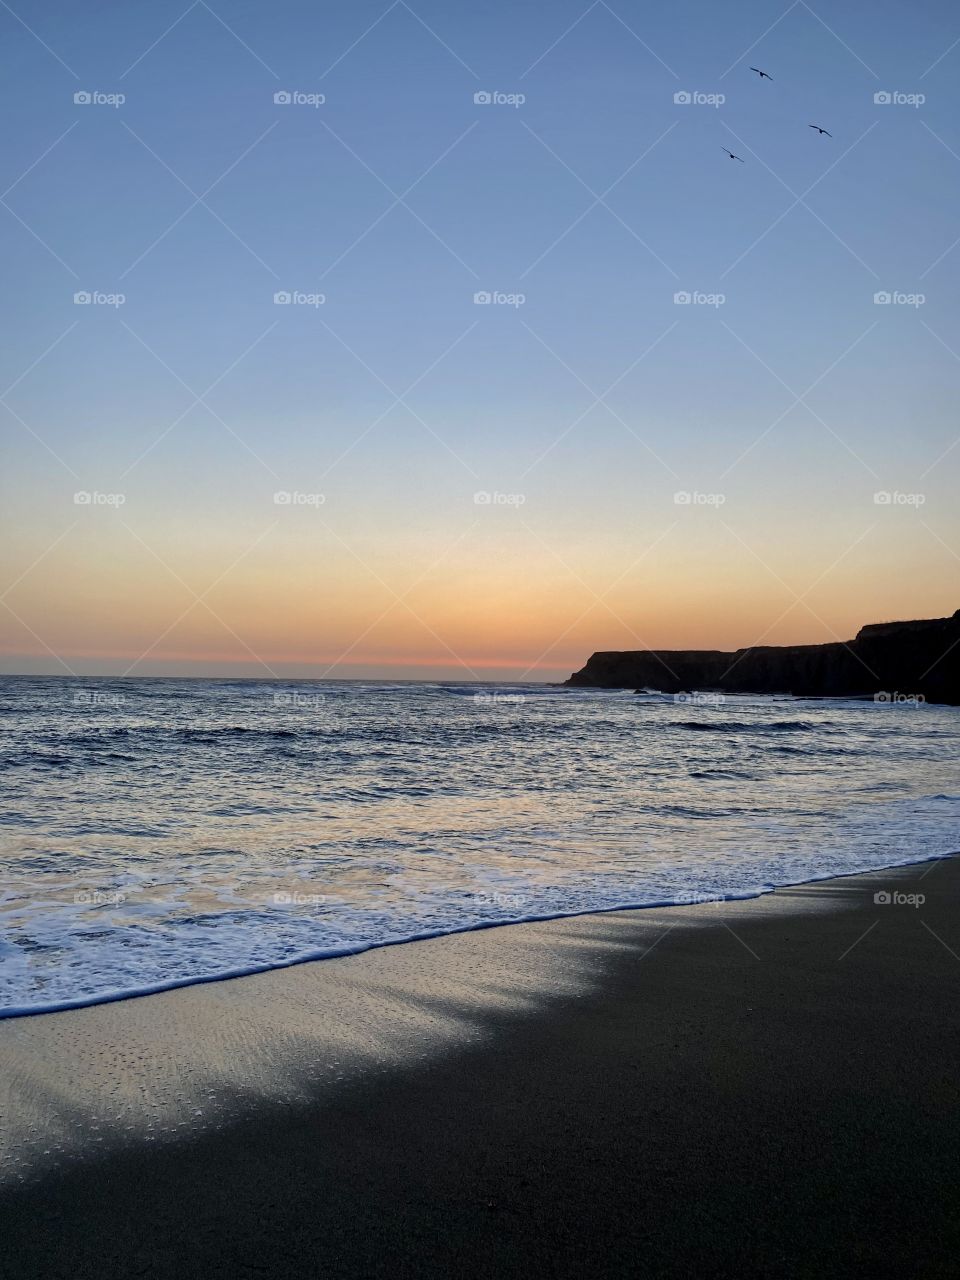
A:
{"x": 159, "y": 832}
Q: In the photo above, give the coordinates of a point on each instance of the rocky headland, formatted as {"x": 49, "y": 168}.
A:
{"x": 916, "y": 660}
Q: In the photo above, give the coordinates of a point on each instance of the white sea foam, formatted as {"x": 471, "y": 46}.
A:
{"x": 163, "y": 833}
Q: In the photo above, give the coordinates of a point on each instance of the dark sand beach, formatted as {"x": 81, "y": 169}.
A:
{"x": 766, "y": 1088}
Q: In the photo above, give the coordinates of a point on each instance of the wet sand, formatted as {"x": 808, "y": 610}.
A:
{"x": 766, "y": 1088}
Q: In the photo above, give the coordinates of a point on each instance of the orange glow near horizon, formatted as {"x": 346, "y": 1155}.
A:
{"x": 505, "y": 603}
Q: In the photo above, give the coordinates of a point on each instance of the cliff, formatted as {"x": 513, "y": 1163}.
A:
{"x": 919, "y": 659}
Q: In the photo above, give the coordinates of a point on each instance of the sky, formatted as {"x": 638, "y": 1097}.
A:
{"x": 444, "y": 340}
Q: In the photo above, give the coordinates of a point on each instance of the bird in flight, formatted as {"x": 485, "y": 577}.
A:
{"x": 762, "y": 74}
{"x": 731, "y": 155}
{"x": 821, "y": 131}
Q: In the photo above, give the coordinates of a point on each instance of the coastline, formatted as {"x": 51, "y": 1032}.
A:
{"x": 341, "y": 952}
{"x": 751, "y": 1087}
{"x": 884, "y": 660}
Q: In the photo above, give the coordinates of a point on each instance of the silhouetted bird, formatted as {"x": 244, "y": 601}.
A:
{"x": 762, "y": 74}
{"x": 819, "y": 130}
{"x": 731, "y": 155}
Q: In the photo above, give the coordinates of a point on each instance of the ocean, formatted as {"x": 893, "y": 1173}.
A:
{"x": 161, "y": 832}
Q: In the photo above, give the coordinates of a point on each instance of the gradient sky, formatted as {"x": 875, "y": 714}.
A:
{"x": 399, "y": 398}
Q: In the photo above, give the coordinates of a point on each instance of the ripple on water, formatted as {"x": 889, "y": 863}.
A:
{"x": 159, "y": 832}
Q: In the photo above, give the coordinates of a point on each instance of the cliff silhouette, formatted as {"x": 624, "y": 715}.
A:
{"x": 918, "y": 659}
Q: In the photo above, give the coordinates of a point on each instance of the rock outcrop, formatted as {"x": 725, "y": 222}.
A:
{"x": 918, "y": 659}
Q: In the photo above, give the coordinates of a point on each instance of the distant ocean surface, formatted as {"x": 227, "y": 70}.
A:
{"x": 160, "y": 832}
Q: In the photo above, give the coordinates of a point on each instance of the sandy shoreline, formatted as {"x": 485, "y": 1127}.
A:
{"x": 760, "y": 1087}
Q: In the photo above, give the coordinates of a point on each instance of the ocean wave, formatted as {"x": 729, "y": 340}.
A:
{"x": 681, "y": 898}
{"x": 722, "y": 773}
{"x": 166, "y": 839}
{"x": 742, "y": 726}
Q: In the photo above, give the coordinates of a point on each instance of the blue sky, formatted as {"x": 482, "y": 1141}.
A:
{"x": 597, "y": 198}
